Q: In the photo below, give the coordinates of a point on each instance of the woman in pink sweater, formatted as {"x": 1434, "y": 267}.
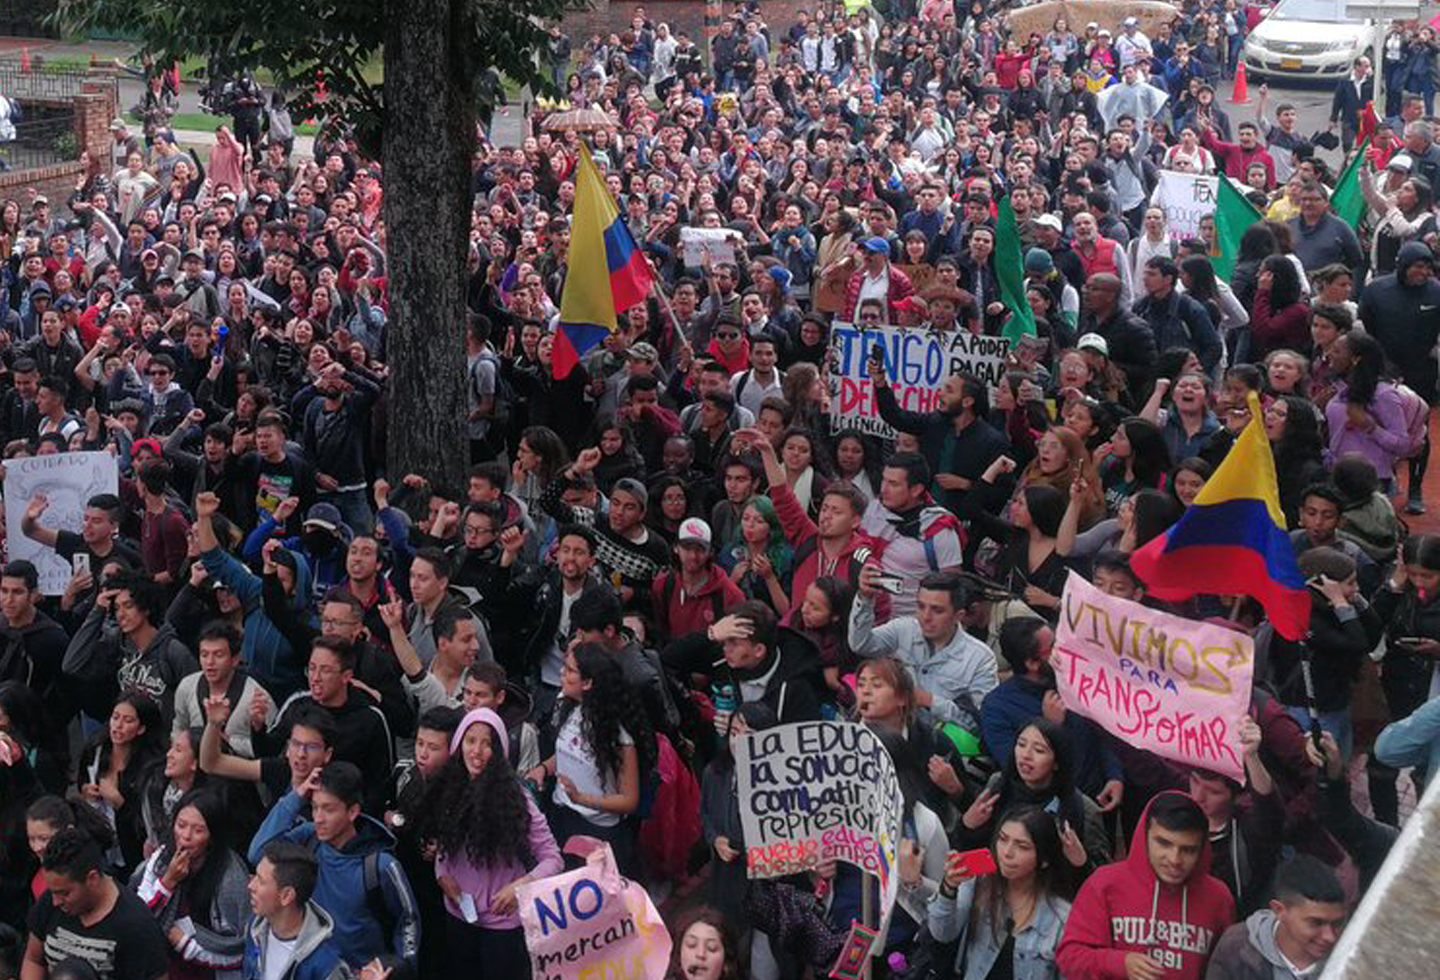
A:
{"x": 491, "y": 839}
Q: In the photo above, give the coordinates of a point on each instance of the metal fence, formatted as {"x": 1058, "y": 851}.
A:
{"x": 40, "y": 141}
{"x": 47, "y": 82}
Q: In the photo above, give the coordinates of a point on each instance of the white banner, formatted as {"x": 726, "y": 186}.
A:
{"x": 1185, "y": 199}
{"x": 67, "y": 480}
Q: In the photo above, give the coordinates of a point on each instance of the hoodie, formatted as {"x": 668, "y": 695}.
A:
{"x": 340, "y": 885}
{"x": 102, "y": 659}
{"x": 1248, "y": 951}
{"x": 266, "y": 653}
{"x": 484, "y": 883}
{"x": 315, "y": 956}
{"x": 1123, "y": 908}
{"x": 1405, "y": 319}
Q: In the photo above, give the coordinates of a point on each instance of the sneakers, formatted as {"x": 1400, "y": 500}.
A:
{"x": 1416, "y": 503}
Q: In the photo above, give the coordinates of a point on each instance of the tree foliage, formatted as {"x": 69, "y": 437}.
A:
{"x": 299, "y": 42}
{"x": 419, "y": 120}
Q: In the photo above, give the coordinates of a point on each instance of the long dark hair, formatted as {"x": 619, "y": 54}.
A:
{"x": 1149, "y": 456}
{"x": 1062, "y": 779}
{"x": 609, "y": 706}
{"x": 1300, "y": 441}
{"x": 63, "y": 814}
{"x": 1367, "y": 367}
{"x": 1284, "y": 283}
{"x": 1257, "y": 243}
{"x": 484, "y": 818}
{"x": 200, "y": 885}
{"x": 148, "y": 747}
{"x": 1050, "y": 869}
{"x": 873, "y": 462}
{"x": 1153, "y": 513}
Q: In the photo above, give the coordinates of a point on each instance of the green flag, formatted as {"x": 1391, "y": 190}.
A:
{"x": 1233, "y": 214}
{"x": 1010, "y": 270}
{"x": 1348, "y": 202}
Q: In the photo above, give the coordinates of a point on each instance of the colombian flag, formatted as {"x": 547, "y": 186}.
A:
{"x": 1232, "y": 540}
{"x": 607, "y": 272}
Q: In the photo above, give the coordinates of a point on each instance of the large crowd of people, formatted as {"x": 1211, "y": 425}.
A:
{"x": 294, "y": 716}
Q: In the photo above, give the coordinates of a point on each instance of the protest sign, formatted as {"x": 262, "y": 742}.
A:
{"x": 592, "y": 924}
{"x": 1174, "y": 686}
{"x": 67, "y": 480}
{"x": 820, "y": 790}
{"x": 1185, "y": 199}
{"x": 917, "y": 361}
{"x": 694, "y": 241}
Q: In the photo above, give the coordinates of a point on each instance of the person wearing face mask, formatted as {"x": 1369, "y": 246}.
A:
{"x": 491, "y": 839}
{"x": 323, "y": 542}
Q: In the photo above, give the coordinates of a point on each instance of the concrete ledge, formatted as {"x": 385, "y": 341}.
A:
{"x": 1393, "y": 932}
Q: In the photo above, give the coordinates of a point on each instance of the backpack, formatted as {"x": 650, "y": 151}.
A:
{"x": 504, "y": 390}
{"x": 1417, "y": 419}
{"x": 374, "y": 893}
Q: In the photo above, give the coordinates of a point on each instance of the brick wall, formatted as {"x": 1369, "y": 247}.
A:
{"x": 93, "y": 112}
{"x": 57, "y": 182}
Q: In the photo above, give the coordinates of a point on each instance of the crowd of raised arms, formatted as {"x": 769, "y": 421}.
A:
{"x": 297, "y": 718}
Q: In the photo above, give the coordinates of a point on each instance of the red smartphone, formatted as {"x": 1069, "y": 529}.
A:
{"x": 977, "y": 862}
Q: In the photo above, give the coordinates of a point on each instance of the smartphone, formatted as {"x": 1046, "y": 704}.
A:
{"x": 80, "y": 563}
{"x": 890, "y": 583}
{"x": 1410, "y": 641}
{"x": 977, "y": 862}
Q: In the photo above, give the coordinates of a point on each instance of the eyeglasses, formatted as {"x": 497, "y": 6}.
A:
{"x": 309, "y": 748}
{"x": 337, "y": 623}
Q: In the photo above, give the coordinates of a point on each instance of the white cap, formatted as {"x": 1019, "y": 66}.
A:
{"x": 694, "y": 531}
{"x": 1401, "y": 161}
{"x": 1050, "y": 221}
{"x": 1095, "y": 342}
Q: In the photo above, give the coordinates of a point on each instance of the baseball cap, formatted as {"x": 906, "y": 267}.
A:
{"x": 324, "y": 516}
{"x": 694, "y": 531}
{"x": 117, "y": 125}
{"x": 1095, "y": 342}
{"x": 643, "y": 352}
{"x": 875, "y": 244}
{"x": 1401, "y": 161}
{"x": 1131, "y": 22}
{"x": 1049, "y": 221}
{"x": 635, "y": 489}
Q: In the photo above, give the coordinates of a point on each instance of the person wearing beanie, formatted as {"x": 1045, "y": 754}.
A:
{"x": 1040, "y": 270}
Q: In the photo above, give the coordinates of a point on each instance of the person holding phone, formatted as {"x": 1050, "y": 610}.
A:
{"x": 1006, "y": 901}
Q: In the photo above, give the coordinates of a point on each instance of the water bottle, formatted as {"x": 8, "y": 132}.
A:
{"x": 725, "y": 701}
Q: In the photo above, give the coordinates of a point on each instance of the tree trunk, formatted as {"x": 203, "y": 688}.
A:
{"x": 429, "y": 144}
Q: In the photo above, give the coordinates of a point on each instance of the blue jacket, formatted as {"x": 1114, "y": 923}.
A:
{"x": 326, "y": 573}
{"x": 316, "y": 956}
{"x": 266, "y": 653}
{"x": 340, "y": 887}
{"x": 1413, "y": 741}
{"x": 1035, "y": 945}
{"x": 1015, "y": 703}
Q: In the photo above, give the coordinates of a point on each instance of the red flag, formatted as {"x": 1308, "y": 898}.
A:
{"x": 1368, "y": 122}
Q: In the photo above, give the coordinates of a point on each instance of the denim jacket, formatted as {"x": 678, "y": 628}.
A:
{"x": 1035, "y": 944}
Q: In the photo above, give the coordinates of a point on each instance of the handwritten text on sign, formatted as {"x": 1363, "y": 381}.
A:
{"x": 591, "y": 924}
{"x": 67, "y": 481}
{"x": 1164, "y": 683}
{"x": 817, "y": 790}
{"x": 917, "y": 361}
{"x": 1185, "y": 199}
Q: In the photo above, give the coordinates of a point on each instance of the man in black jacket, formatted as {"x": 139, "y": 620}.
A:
{"x": 751, "y": 658}
{"x": 956, "y": 440}
{"x": 333, "y": 435}
{"x": 32, "y": 645}
{"x": 1352, "y": 94}
{"x": 1402, "y": 311}
{"x": 1129, "y": 342}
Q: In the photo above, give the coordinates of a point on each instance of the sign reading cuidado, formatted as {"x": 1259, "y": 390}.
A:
{"x": 592, "y": 924}
{"x": 917, "y": 362}
{"x": 820, "y": 790}
{"x": 1171, "y": 685}
{"x": 66, "y": 481}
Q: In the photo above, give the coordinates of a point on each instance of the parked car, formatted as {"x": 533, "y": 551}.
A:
{"x": 1306, "y": 39}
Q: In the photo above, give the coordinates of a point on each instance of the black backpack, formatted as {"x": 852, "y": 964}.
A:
{"x": 374, "y": 893}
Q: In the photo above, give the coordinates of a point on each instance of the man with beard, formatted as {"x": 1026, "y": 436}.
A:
{"x": 957, "y": 441}
{"x": 1026, "y": 645}
{"x": 546, "y": 597}
{"x": 364, "y": 582}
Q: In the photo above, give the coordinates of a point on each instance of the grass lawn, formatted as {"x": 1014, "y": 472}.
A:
{"x": 205, "y": 123}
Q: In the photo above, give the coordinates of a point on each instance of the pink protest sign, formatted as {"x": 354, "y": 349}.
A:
{"x": 592, "y": 924}
{"x": 1174, "y": 686}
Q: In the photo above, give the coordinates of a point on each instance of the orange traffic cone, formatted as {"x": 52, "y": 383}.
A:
{"x": 1240, "y": 94}
{"x": 25, "y": 59}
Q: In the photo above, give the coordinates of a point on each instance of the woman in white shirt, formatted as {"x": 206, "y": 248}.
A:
{"x": 598, "y": 758}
